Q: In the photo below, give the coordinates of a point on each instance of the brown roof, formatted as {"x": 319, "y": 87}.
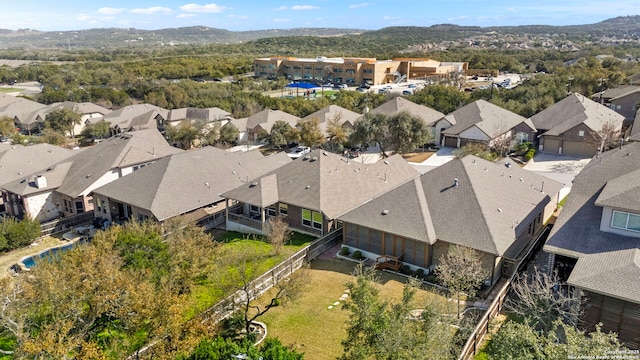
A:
{"x": 399, "y": 104}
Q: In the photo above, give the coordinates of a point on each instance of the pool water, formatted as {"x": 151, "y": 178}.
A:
{"x": 52, "y": 253}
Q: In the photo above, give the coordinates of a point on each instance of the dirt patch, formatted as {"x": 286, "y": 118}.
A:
{"x": 418, "y": 157}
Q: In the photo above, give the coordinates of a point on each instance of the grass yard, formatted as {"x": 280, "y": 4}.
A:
{"x": 418, "y": 157}
{"x": 9, "y": 90}
{"x": 9, "y": 258}
{"x": 310, "y": 326}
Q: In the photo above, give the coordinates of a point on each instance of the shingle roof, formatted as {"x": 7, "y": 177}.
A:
{"x": 331, "y": 112}
{"x": 23, "y": 110}
{"x": 399, "y": 104}
{"x": 266, "y": 118}
{"x": 207, "y": 114}
{"x": 125, "y": 114}
{"x": 572, "y": 111}
{"x": 89, "y": 165}
{"x": 486, "y": 211}
{"x": 613, "y": 273}
{"x": 17, "y": 161}
{"x": 634, "y": 135}
{"x": 328, "y": 182}
{"x": 183, "y": 182}
{"x": 80, "y": 108}
{"x": 622, "y": 193}
{"x": 489, "y": 118}
{"x": 54, "y": 176}
{"x": 577, "y": 229}
{"x": 617, "y": 92}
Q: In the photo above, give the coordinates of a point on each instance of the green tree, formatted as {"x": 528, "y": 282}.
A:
{"x": 7, "y": 127}
{"x": 62, "y": 120}
{"x": 336, "y": 133}
{"x": 522, "y": 341}
{"x": 445, "y": 99}
{"x": 99, "y": 130}
{"x": 229, "y": 134}
{"x": 379, "y": 329}
{"x": 407, "y": 132}
{"x": 477, "y": 149}
{"x": 310, "y": 134}
{"x": 18, "y": 233}
{"x": 279, "y": 130}
{"x": 461, "y": 271}
{"x": 371, "y": 128}
{"x": 220, "y": 348}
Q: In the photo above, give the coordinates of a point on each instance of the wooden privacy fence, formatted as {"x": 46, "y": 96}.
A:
{"x": 482, "y": 328}
{"x": 266, "y": 281}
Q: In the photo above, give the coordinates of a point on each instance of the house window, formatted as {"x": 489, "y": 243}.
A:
{"x": 306, "y": 217}
{"x": 581, "y": 133}
{"x": 317, "y": 220}
{"x": 67, "y": 206}
{"x": 284, "y": 209}
{"x": 271, "y": 210}
{"x": 254, "y": 209}
{"x": 625, "y": 220}
{"x": 522, "y": 137}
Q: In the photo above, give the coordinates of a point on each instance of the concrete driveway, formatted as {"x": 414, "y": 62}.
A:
{"x": 557, "y": 167}
{"x": 442, "y": 156}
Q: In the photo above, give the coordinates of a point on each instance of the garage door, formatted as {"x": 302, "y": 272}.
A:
{"x": 578, "y": 149}
{"x": 551, "y": 145}
{"x": 450, "y": 141}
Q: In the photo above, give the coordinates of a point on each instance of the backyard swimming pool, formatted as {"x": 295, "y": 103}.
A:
{"x": 31, "y": 261}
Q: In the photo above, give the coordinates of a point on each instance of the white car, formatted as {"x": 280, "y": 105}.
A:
{"x": 299, "y": 151}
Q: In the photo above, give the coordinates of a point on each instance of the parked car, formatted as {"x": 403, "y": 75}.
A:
{"x": 299, "y": 151}
{"x": 361, "y": 89}
{"x": 327, "y": 85}
{"x": 411, "y": 86}
{"x": 342, "y": 86}
{"x": 382, "y": 91}
{"x": 407, "y": 92}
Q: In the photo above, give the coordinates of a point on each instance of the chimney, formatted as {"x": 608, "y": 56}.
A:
{"x": 41, "y": 182}
{"x": 455, "y": 182}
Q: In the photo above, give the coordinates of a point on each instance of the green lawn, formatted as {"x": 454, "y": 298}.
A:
{"x": 7, "y": 342}
{"x": 9, "y": 90}
{"x": 310, "y": 326}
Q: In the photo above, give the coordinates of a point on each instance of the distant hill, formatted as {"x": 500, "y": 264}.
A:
{"x": 627, "y": 27}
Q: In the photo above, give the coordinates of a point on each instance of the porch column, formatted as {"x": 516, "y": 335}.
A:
{"x": 262, "y": 218}
{"x": 226, "y": 209}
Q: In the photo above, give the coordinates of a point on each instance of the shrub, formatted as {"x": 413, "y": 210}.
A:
{"x": 431, "y": 278}
{"x": 357, "y": 255}
{"x": 344, "y": 251}
{"x": 529, "y": 155}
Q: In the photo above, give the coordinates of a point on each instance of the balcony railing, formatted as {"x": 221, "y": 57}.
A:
{"x": 245, "y": 220}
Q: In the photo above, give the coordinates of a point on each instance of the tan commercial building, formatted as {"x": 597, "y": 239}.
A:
{"x": 352, "y": 71}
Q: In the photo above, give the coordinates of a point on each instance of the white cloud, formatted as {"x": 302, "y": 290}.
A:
{"x": 361, "y": 5}
{"x": 151, "y": 10}
{"x": 282, "y": 20}
{"x": 186, "y": 16}
{"x": 110, "y": 11}
{"x": 304, "y": 7}
{"x": 207, "y": 8}
{"x": 280, "y": 8}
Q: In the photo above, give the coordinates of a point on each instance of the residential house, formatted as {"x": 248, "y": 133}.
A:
{"x": 122, "y": 120}
{"x": 241, "y": 126}
{"x": 262, "y": 122}
{"x": 484, "y": 122}
{"x": 575, "y": 125}
{"x": 429, "y": 116}
{"x": 196, "y": 115}
{"x": 595, "y": 242}
{"x": 634, "y": 132}
{"x": 345, "y": 117}
{"x": 17, "y": 161}
{"x": 623, "y": 99}
{"x": 495, "y": 209}
{"x": 313, "y": 191}
{"x": 27, "y": 115}
{"x": 187, "y": 183}
{"x": 89, "y": 113}
{"x": 64, "y": 189}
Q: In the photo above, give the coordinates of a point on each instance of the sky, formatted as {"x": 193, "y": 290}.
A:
{"x": 241, "y": 15}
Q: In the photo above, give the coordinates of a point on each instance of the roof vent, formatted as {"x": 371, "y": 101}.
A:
{"x": 455, "y": 183}
{"x": 41, "y": 182}
{"x": 385, "y": 212}
{"x": 325, "y": 153}
{"x": 255, "y": 183}
{"x": 307, "y": 187}
{"x": 206, "y": 184}
{"x": 521, "y": 179}
{"x": 499, "y": 210}
{"x": 507, "y": 164}
{"x": 386, "y": 162}
{"x": 315, "y": 158}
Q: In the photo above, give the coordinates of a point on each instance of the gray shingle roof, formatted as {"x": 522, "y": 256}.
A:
{"x": 399, "y": 104}
{"x": 25, "y": 111}
{"x": 634, "y": 135}
{"x": 485, "y": 211}
{"x": 613, "y": 273}
{"x": 489, "y": 118}
{"x": 328, "y": 182}
{"x": 331, "y": 112}
{"x": 617, "y": 92}
{"x": 572, "y": 111}
{"x": 126, "y": 114}
{"x": 622, "y": 192}
{"x": 17, "y": 161}
{"x": 54, "y": 176}
{"x": 577, "y": 229}
{"x": 266, "y": 118}
{"x": 190, "y": 180}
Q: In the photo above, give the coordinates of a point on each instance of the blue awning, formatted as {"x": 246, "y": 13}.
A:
{"x": 302, "y": 85}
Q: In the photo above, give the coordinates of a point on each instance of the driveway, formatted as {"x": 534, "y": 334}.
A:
{"x": 442, "y": 156}
{"x": 557, "y": 167}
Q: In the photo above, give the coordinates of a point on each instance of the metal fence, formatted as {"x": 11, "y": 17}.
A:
{"x": 482, "y": 328}
{"x": 64, "y": 224}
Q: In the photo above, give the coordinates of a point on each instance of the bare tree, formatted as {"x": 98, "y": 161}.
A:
{"x": 277, "y": 232}
{"x": 538, "y": 297}
{"x": 608, "y": 137}
{"x": 461, "y": 271}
